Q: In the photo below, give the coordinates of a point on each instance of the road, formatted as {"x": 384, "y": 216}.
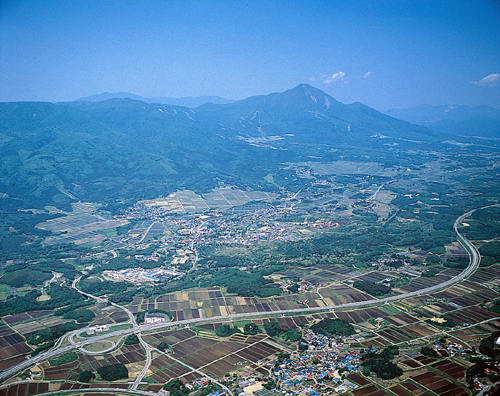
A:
{"x": 374, "y": 196}
{"x": 473, "y": 265}
{"x": 147, "y": 232}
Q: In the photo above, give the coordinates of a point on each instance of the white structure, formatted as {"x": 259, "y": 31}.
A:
{"x": 97, "y": 329}
{"x": 154, "y": 318}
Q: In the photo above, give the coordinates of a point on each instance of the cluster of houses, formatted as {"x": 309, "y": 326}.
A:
{"x": 451, "y": 349}
{"x": 322, "y": 367}
{"x": 303, "y": 287}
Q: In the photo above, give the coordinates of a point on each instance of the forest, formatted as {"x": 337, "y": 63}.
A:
{"x": 380, "y": 363}
{"x": 333, "y": 327}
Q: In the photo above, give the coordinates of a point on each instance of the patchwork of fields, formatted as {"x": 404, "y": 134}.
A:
{"x": 199, "y": 350}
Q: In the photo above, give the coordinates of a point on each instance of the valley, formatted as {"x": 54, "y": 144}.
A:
{"x": 294, "y": 244}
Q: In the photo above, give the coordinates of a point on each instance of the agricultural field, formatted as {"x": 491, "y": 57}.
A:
{"x": 80, "y": 226}
{"x": 223, "y": 198}
{"x": 13, "y": 347}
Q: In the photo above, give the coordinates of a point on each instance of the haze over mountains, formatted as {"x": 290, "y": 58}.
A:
{"x": 186, "y": 101}
{"x": 479, "y": 121}
{"x": 122, "y": 148}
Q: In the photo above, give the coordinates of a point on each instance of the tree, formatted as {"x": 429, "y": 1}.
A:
{"x": 113, "y": 372}
{"x": 81, "y": 316}
{"x": 251, "y": 329}
{"x": 273, "y": 329}
{"x": 176, "y": 388}
{"x": 163, "y": 346}
{"x": 131, "y": 339}
{"x": 86, "y": 376}
{"x": 429, "y": 352}
{"x": 380, "y": 363}
{"x": 375, "y": 289}
{"x": 294, "y": 288}
{"x": 292, "y": 335}
{"x": 333, "y": 327}
{"x": 225, "y": 330}
{"x": 488, "y": 345}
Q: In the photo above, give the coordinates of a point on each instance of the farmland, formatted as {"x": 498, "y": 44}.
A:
{"x": 350, "y": 223}
{"x": 219, "y": 199}
{"x": 199, "y": 350}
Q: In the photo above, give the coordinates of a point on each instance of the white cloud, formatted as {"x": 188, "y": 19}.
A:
{"x": 335, "y": 77}
{"x": 368, "y": 74}
{"x": 489, "y": 81}
{"x": 312, "y": 78}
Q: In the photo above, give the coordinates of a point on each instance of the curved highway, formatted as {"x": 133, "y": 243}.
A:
{"x": 473, "y": 265}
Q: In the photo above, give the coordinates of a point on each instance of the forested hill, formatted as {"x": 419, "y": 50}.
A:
{"x": 128, "y": 149}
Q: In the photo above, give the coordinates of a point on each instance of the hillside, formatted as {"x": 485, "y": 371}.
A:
{"x": 123, "y": 148}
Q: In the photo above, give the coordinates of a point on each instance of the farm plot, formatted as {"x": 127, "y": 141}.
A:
{"x": 225, "y": 197}
{"x": 22, "y": 317}
{"x": 401, "y": 319}
{"x": 375, "y": 276}
{"x": 342, "y": 294}
{"x": 479, "y": 296}
{"x": 187, "y": 201}
{"x": 438, "y": 385}
{"x": 108, "y": 315}
{"x": 80, "y": 226}
{"x": 25, "y": 389}
{"x": 127, "y": 355}
{"x": 370, "y": 390}
{"x": 196, "y": 303}
{"x": 471, "y": 315}
{"x": 396, "y": 335}
{"x": 75, "y": 386}
{"x": 320, "y": 274}
{"x": 468, "y": 335}
{"x": 216, "y": 357}
{"x": 422, "y": 283}
{"x": 377, "y": 342}
{"x": 451, "y": 368}
{"x": 13, "y": 348}
{"x": 31, "y": 322}
{"x": 485, "y": 275}
{"x": 163, "y": 369}
{"x": 60, "y": 372}
{"x": 407, "y": 389}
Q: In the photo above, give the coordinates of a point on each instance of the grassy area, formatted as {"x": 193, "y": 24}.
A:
{"x": 98, "y": 346}
{"x": 64, "y": 358}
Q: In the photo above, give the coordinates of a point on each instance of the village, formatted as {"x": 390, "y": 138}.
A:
{"x": 320, "y": 366}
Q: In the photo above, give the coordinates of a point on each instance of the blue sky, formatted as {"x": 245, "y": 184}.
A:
{"x": 383, "y": 53}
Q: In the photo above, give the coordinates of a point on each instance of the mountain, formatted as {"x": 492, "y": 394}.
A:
{"x": 481, "y": 121}
{"x": 189, "y": 101}
{"x": 310, "y": 115}
{"x": 125, "y": 149}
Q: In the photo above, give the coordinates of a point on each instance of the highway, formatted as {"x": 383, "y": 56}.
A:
{"x": 473, "y": 265}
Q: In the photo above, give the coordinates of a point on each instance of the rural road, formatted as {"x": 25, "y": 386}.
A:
{"x": 473, "y": 265}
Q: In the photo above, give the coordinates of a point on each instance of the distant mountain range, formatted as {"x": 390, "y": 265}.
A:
{"x": 124, "y": 149}
{"x": 189, "y": 101}
{"x": 481, "y": 121}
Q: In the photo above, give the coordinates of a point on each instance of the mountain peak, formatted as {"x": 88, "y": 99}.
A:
{"x": 321, "y": 100}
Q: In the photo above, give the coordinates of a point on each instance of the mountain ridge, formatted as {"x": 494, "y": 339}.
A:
{"x": 481, "y": 121}
{"x": 105, "y": 151}
{"x": 188, "y": 101}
